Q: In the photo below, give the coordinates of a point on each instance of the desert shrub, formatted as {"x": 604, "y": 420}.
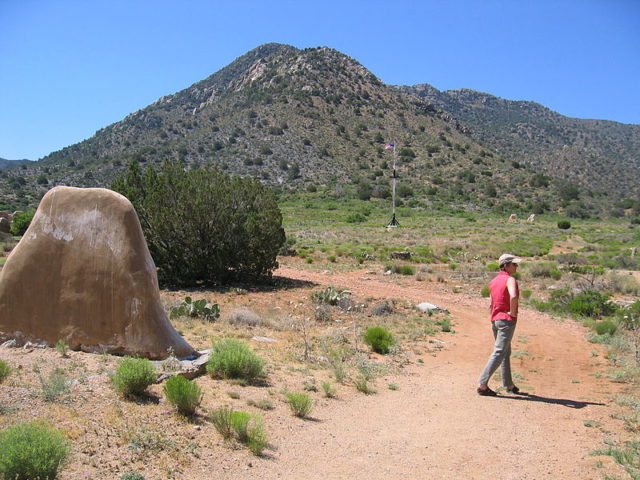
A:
{"x": 62, "y": 347}
{"x": 21, "y": 222}
{"x": 526, "y": 294}
{"x": 32, "y": 450}
{"x": 544, "y": 270}
{"x": 382, "y": 308}
{"x": 5, "y": 370}
{"x": 492, "y": 267}
{"x": 231, "y": 358}
{"x": 55, "y": 385}
{"x": 591, "y": 303}
{"x": 564, "y": 224}
{"x": 221, "y": 419}
{"x": 132, "y": 476}
{"x": 244, "y": 316}
{"x": 133, "y": 376}
{"x": 243, "y": 426}
{"x": 379, "y": 339}
{"x": 605, "y": 327}
{"x": 363, "y": 386}
{"x": 183, "y": 394}
{"x": 484, "y": 292}
{"x": 329, "y": 296}
{"x": 624, "y": 283}
{"x": 355, "y": 218}
{"x": 301, "y": 404}
{"x": 444, "y": 324}
{"x": 328, "y": 389}
{"x": 202, "y": 226}
{"x": 322, "y": 313}
{"x": 196, "y": 309}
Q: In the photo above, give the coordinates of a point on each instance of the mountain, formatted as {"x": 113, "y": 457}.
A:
{"x": 5, "y": 164}
{"x": 598, "y": 154}
{"x": 312, "y": 119}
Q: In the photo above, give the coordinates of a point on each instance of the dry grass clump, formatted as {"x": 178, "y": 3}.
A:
{"x": 245, "y": 317}
{"x": 621, "y": 283}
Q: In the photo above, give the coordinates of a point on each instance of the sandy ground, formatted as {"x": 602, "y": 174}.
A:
{"x": 434, "y": 426}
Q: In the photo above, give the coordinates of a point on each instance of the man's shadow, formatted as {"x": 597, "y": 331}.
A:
{"x": 553, "y": 401}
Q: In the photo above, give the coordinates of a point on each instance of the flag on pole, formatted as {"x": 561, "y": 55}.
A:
{"x": 389, "y": 146}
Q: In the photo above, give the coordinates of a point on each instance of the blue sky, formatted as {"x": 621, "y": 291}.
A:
{"x": 71, "y": 67}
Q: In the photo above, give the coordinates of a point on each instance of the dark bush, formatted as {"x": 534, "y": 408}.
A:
{"x": 564, "y": 224}
{"x": 204, "y": 227}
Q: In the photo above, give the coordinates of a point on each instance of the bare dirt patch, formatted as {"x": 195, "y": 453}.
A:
{"x": 430, "y": 425}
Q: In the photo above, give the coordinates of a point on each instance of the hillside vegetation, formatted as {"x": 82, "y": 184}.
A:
{"x": 317, "y": 120}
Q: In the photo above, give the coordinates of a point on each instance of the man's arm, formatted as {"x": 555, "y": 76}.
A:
{"x": 513, "y": 297}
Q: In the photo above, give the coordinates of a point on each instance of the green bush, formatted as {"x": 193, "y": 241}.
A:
{"x": 484, "y": 292}
{"x": 133, "y": 376}
{"x": 605, "y": 327}
{"x": 231, "y": 358}
{"x": 301, "y": 404}
{"x": 32, "y": 450}
{"x": 5, "y": 370}
{"x": 245, "y": 427}
{"x": 55, "y": 385}
{"x": 544, "y": 270}
{"x": 249, "y": 429}
{"x": 355, "y": 218}
{"x": 183, "y": 394}
{"x": 21, "y": 222}
{"x": 564, "y": 224}
{"x": 221, "y": 419}
{"x": 198, "y": 309}
{"x": 379, "y": 339}
{"x": 204, "y": 227}
{"x": 132, "y": 476}
{"x": 591, "y": 303}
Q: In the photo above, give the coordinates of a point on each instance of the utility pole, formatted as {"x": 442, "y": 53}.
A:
{"x": 393, "y": 223}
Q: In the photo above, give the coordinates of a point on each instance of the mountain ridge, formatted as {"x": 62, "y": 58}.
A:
{"x": 316, "y": 118}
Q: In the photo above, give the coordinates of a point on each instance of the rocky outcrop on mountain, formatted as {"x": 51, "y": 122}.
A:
{"x": 592, "y": 153}
{"x": 316, "y": 118}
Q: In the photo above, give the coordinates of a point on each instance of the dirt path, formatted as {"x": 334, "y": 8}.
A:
{"x": 435, "y": 426}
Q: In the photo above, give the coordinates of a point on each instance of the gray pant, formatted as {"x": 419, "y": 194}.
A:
{"x": 501, "y": 356}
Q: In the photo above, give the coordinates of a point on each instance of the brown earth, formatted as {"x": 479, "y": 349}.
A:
{"x": 433, "y": 426}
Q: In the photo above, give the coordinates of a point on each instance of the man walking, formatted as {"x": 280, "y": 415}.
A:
{"x": 504, "y": 315}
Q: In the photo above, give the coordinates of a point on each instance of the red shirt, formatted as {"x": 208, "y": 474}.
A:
{"x": 500, "y": 298}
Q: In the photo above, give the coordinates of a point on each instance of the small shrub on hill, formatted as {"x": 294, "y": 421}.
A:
{"x": 301, "y": 404}
{"x": 564, "y": 224}
{"x": 183, "y": 394}
{"x": 231, "y": 358}
{"x": 32, "y": 451}
{"x": 379, "y": 339}
{"x": 132, "y": 476}
{"x": 5, "y": 370}
{"x": 133, "y": 376}
{"x": 605, "y": 327}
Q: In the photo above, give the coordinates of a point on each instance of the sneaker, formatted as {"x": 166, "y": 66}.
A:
{"x": 486, "y": 392}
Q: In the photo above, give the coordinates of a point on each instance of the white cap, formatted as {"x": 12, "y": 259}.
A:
{"x": 508, "y": 258}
